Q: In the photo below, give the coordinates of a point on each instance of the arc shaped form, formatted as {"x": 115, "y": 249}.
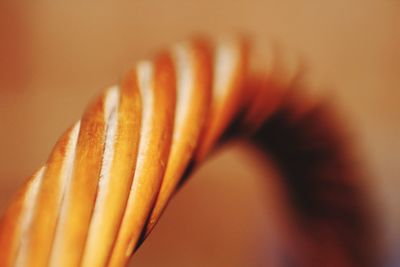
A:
{"x": 111, "y": 175}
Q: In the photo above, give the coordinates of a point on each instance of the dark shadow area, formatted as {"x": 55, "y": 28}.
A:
{"x": 324, "y": 185}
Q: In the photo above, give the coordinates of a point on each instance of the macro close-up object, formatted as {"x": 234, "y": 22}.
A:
{"x": 232, "y": 146}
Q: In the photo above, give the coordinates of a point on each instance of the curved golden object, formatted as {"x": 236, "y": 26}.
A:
{"x": 110, "y": 176}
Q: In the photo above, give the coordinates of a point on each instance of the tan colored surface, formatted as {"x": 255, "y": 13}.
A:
{"x": 56, "y": 57}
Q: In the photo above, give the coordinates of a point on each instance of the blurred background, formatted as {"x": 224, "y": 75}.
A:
{"x": 55, "y": 57}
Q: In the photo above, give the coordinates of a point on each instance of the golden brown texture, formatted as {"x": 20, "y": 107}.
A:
{"x": 111, "y": 175}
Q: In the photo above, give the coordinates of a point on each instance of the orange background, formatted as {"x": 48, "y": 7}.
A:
{"x": 55, "y": 57}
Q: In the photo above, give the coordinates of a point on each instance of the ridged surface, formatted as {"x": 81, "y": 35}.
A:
{"x": 111, "y": 175}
